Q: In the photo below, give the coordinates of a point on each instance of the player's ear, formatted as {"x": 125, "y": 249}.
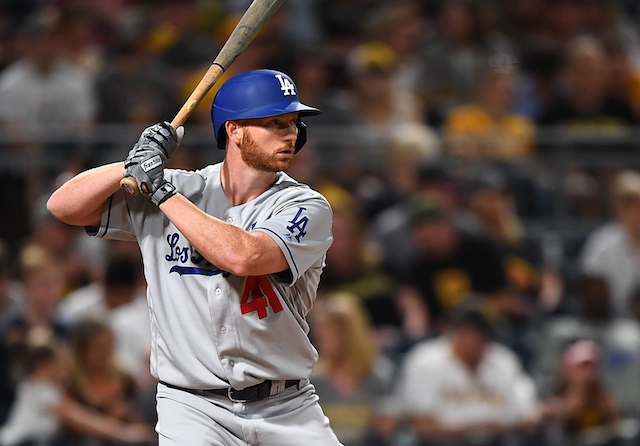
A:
{"x": 234, "y": 131}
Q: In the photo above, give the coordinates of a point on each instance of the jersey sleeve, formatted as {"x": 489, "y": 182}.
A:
{"x": 302, "y": 230}
{"x": 117, "y": 223}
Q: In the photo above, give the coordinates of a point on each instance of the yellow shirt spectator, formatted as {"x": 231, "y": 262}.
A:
{"x": 488, "y": 128}
{"x": 471, "y": 131}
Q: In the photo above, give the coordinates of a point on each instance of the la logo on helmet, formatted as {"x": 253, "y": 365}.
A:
{"x": 286, "y": 85}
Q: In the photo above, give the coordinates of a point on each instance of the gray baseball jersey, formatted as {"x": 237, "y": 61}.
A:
{"x": 211, "y": 329}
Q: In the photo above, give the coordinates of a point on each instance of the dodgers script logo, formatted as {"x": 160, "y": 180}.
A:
{"x": 286, "y": 85}
{"x": 188, "y": 254}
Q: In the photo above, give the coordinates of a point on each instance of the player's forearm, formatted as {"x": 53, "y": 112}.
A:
{"x": 79, "y": 201}
{"x": 229, "y": 248}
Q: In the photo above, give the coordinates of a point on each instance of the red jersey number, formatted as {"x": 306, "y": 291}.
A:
{"x": 258, "y": 295}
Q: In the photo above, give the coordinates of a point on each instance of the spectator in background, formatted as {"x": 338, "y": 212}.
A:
{"x": 43, "y": 287}
{"x": 540, "y": 67}
{"x": 378, "y": 104}
{"x": 533, "y": 289}
{"x": 488, "y": 127}
{"x": 603, "y": 19}
{"x": 32, "y": 318}
{"x": 391, "y": 228}
{"x": 33, "y": 419}
{"x": 464, "y": 388}
{"x": 176, "y": 37}
{"x": 456, "y": 56}
{"x": 352, "y": 266}
{"x": 133, "y": 89}
{"x": 302, "y": 24}
{"x": 43, "y": 99}
{"x": 15, "y": 201}
{"x": 340, "y": 32}
{"x": 403, "y": 26}
{"x": 64, "y": 243}
{"x": 311, "y": 70}
{"x": 411, "y": 144}
{"x": 624, "y": 76}
{"x": 452, "y": 263}
{"x": 118, "y": 298}
{"x": 11, "y": 306}
{"x": 584, "y": 101}
{"x": 520, "y": 19}
{"x": 351, "y": 378}
{"x": 618, "y": 338}
{"x": 561, "y": 21}
{"x": 581, "y": 407}
{"x": 11, "y": 295}
{"x": 98, "y": 387}
{"x": 79, "y": 26}
{"x": 613, "y": 250}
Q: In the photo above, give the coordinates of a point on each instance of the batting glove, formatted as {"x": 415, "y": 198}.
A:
{"x": 164, "y": 191}
{"x": 161, "y": 136}
{"x": 147, "y": 170}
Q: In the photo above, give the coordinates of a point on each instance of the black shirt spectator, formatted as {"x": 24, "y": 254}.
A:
{"x": 452, "y": 263}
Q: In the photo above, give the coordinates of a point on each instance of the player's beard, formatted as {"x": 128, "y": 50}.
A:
{"x": 260, "y": 160}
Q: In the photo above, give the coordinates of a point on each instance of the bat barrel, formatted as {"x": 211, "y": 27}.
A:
{"x": 250, "y": 24}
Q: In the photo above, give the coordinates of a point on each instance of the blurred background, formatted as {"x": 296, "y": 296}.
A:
{"x": 481, "y": 158}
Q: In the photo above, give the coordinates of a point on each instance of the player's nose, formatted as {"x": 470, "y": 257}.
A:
{"x": 291, "y": 131}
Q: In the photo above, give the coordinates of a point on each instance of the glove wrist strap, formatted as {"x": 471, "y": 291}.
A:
{"x": 165, "y": 191}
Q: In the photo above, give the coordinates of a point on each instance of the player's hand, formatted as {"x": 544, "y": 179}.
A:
{"x": 146, "y": 168}
{"x": 161, "y": 136}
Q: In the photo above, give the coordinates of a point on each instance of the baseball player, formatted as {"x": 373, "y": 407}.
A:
{"x": 232, "y": 256}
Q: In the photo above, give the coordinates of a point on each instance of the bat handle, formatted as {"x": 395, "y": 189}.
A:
{"x": 129, "y": 185}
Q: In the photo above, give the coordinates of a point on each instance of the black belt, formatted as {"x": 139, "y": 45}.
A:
{"x": 247, "y": 395}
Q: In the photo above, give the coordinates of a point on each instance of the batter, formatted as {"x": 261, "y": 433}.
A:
{"x": 232, "y": 256}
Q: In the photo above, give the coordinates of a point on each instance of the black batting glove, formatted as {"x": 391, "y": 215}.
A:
{"x": 161, "y": 136}
{"x": 163, "y": 192}
{"x": 145, "y": 162}
{"x": 146, "y": 168}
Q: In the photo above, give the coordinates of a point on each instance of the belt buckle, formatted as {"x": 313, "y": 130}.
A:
{"x": 277, "y": 387}
{"x": 229, "y": 395}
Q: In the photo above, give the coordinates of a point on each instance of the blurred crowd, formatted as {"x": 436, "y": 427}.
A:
{"x": 483, "y": 286}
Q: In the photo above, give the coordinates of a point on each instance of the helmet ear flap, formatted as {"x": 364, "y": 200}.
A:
{"x": 302, "y": 135}
{"x": 222, "y": 138}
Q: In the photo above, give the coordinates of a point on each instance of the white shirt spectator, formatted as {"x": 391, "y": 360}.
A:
{"x": 609, "y": 253}
{"x": 83, "y": 303}
{"x": 437, "y": 384}
{"x": 131, "y": 326}
{"x": 52, "y": 105}
{"x": 32, "y": 417}
{"x": 129, "y": 322}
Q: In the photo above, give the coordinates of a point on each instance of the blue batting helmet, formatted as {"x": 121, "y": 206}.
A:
{"x": 258, "y": 94}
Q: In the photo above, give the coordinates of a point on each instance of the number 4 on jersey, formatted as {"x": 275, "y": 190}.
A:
{"x": 258, "y": 295}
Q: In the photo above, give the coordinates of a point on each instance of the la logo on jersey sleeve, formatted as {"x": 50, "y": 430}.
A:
{"x": 298, "y": 225}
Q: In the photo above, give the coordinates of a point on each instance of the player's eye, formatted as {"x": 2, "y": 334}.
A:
{"x": 282, "y": 124}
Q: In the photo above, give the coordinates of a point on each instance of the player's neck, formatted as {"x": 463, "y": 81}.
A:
{"x": 241, "y": 183}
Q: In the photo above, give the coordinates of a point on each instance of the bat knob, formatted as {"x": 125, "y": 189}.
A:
{"x": 129, "y": 185}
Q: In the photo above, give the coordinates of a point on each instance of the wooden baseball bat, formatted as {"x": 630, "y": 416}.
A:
{"x": 250, "y": 24}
